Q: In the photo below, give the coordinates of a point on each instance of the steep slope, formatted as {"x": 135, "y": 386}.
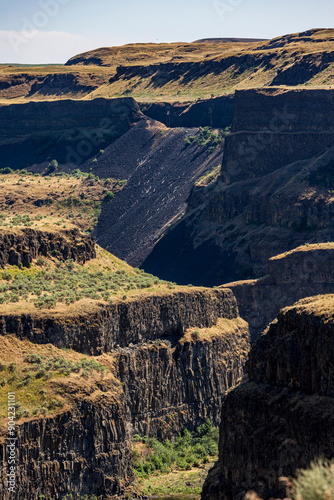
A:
{"x": 257, "y": 208}
{"x": 291, "y": 276}
{"x": 162, "y": 169}
{"x": 282, "y": 418}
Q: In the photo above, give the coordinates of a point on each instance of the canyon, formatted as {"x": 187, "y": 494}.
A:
{"x": 209, "y": 167}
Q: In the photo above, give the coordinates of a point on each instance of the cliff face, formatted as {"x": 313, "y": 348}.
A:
{"x": 282, "y": 418}
{"x": 128, "y": 322}
{"x": 25, "y": 245}
{"x": 289, "y": 277}
{"x": 215, "y": 113}
{"x": 174, "y": 356}
{"x": 274, "y": 127}
{"x": 68, "y": 130}
{"x": 258, "y": 208}
{"x": 169, "y": 386}
{"x": 86, "y": 450}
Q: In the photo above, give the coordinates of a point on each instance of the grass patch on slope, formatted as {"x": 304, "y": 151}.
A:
{"x": 54, "y": 201}
{"x": 49, "y": 283}
{"x": 46, "y": 379}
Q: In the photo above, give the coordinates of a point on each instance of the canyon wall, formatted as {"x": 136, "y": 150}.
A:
{"x": 303, "y": 272}
{"x": 271, "y": 204}
{"x": 216, "y": 112}
{"x": 174, "y": 356}
{"x": 69, "y": 131}
{"x": 274, "y": 127}
{"x": 25, "y": 245}
{"x": 169, "y": 386}
{"x": 119, "y": 324}
{"x": 282, "y": 418}
{"x": 84, "y": 451}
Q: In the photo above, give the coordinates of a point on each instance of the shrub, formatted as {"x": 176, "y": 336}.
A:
{"x": 53, "y": 166}
{"x": 316, "y": 482}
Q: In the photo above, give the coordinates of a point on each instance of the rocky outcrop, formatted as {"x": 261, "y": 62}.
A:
{"x": 70, "y": 131}
{"x": 22, "y": 246}
{"x": 274, "y": 127}
{"x": 85, "y": 450}
{"x": 301, "y": 273}
{"x": 283, "y": 417}
{"x": 175, "y": 356}
{"x": 169, "y": 386}
{"x": 33, "y": 117}
{"x": 215, "y": 113}
{"x": 122, "y": 323}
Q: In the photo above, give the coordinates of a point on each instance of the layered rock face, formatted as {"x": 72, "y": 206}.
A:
{"x": 174, "y": 357}
{"x": 234, "y": 226}
{"x": 33, "y": 117}
{"x": 216, "y": 112}
{"x": 283, "y": 417}
{"x": 70, "y": 131}
{"x": 25, "y": 245}
{"x": 300, "y": 273}
{"x": 85, "y": 450}
{"x": 169, "y": 386}
{"x": 123, "y": 323}
{"x": 273, "y": 127}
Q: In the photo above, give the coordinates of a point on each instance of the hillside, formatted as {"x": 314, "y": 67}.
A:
{"x": 178, "y": 71}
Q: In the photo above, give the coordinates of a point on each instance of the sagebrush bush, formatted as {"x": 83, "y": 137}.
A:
{"x": 316, "y": 482}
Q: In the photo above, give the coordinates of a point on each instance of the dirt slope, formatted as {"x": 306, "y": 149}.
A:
{"x": 162, "y": 169}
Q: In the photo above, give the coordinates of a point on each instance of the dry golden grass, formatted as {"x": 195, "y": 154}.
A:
{"x": 182, "y": 89}
{"x": 54, "y": 391}
{"x": 223, "y": 327}
{"x": 52, "y": 202}
{"x": 319, "y": 305}
{"x": 305, "y": 248}
{"x": 104, "y": 263}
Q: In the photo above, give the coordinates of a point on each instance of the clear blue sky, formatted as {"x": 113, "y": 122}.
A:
{"x": 50, "y": 31}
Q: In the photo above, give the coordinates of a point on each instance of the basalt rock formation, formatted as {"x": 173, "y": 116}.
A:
{"x": 171, "y": 385}
{"x": 67, "y": 130}
{"x": 174, "y": 357}
{"x": 119, "y": 324}
{"x": 291, "y": 276}
{"x": 273, "y": 127}
{"x": 215, "y": 113}
{"x": 265, "y": 202}
{"x": 23, "y": 246}
{"x": 85, "y": 451}
{"x": 283, "y": 417}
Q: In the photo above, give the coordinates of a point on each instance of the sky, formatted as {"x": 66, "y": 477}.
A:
{"x": 52, "y": 31}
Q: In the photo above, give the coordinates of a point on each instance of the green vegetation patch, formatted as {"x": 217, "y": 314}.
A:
{"x": 209, "y": 138}
{"x": 68, "y": 283}
{"x": 187, "y": 450}
{"x": 29, "y": 381}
